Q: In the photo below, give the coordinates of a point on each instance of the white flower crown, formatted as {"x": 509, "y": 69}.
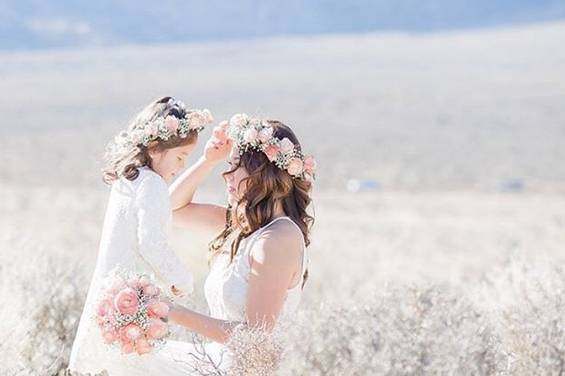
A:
{"x": 163, "y": 128}
{"x": 255, "y": 134}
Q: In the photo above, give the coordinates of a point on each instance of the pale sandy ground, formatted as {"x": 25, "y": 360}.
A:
{"x": 439, "y": 120}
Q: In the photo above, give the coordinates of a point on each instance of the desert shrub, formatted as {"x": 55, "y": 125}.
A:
{"x": 46, "y": 294}
{"x": 402, "y": 331}
{"x": 532, "y": 323}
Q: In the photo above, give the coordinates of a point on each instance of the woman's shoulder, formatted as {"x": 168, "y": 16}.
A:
{"x": 283, "y": 227}
{"x": 281, "y": 238}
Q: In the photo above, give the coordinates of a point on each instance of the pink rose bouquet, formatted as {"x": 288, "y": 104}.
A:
{"x": 131, "y": 313}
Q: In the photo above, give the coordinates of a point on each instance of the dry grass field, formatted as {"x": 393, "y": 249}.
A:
{"x": 452, "y": 266}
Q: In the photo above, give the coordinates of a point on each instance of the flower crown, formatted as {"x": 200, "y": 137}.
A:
{"x": 165, "y": 127}
{"x": 255, "y": 134}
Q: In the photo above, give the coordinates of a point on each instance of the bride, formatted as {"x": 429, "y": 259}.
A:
{"x": 258, "y": 257}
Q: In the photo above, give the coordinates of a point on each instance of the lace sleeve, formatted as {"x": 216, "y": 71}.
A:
{"x": 153, "y": 219}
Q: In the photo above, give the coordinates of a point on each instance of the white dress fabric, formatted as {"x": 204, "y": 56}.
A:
{"x": 134, "y": 237}
{"x": 225, "y": 289}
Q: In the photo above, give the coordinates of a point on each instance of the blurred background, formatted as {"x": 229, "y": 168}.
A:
{"x": 439, "y": 128}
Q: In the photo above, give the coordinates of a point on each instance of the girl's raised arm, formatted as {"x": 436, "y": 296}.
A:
{"x": 186, "y": 213}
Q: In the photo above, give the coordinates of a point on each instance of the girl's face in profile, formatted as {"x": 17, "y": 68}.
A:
{"x": 169, "y": 162}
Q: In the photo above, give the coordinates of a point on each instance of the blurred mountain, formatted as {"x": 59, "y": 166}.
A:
{"x": 29, "y": 24}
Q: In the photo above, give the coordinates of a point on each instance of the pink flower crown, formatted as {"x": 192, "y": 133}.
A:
{"x": 255, "y": 134}
{"x": 164, "y": 128}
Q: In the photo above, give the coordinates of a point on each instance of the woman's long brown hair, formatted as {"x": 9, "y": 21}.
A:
{"x": 266, "y": 185}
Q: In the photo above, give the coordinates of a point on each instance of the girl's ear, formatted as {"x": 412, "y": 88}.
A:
{"x": 153, "y": 153}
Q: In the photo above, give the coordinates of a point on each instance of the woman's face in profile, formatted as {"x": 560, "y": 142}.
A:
{"x": 233, "y": 178}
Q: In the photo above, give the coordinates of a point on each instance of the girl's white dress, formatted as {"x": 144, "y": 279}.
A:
{"x": 135, "y": 237}
{"x": 225, "y": 289}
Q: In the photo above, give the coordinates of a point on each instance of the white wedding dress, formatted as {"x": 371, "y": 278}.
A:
{"x": 226, "y": 291}
{"x": 134, "y": 237}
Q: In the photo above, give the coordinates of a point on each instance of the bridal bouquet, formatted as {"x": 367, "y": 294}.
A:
{"x": 131, "y": 312}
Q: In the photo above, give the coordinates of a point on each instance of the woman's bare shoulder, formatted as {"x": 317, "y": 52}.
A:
{"x": 281, "y": 241}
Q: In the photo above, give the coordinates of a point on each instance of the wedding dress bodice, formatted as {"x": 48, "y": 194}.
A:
{"x": 227, "y": 283}
{"x": 226, "y": 289}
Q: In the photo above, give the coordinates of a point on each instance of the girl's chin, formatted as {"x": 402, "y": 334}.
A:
{"x": 231, "y": 200}
{"x": 168, "y": 177}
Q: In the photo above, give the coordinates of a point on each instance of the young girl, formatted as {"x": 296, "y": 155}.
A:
{"x": 141, "y": 162}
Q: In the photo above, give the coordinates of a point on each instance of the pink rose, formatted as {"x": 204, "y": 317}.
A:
{"x": 151, "y": 130}
{"x": 127, "y": 347}
{"x": 295, "y": 167}
{"x": 126, "y": 302}
{"x": 197, "y": 120}
{"x": 271, "y": 152}
{"x": 130, "y": 332}
{"x": 250, "y": 135}
{"x": 310, "y": 164}
{"x": 142, "y": 346}
{"x": 172, "y": 123}
{"x": 133, "y": 283}
{"x": 266, "y": 134}
{"x": 158, "y": 309}
{"x": 138, "y": 283}
{"x": 151, "y": 290}
{"x": 104, "y": 308}
{"x": 144, "y": 281}
{"x": 286, "y": 146}
{"x": 109, "y": 336}
{"x": 157, "y": 329}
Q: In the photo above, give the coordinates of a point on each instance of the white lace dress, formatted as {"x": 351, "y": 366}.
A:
{"x": 226, "y": 293}
{"x": 135, "y": 236}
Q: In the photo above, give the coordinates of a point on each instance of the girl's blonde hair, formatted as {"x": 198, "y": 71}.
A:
{"x": 124, "y": 161}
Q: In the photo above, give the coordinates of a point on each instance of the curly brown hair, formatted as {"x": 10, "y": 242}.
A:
{"x": 266, "y": 185}
{"x": 125, "y": 162}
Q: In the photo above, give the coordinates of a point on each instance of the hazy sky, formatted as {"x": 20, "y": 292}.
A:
{"x": 43, "y": 24}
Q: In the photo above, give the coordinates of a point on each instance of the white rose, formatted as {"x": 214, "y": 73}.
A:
{"x": 265, "y": 134}
{"x": 136, "y": 136}
{"x": 254, "y": 122}
{"x": 239, "y": 120}
{"x": 250, "y": 135}
{"x": 286, "y": 146}
{"x": 208, "y": 116}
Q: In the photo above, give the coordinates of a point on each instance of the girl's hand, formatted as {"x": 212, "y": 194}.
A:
{"x": 219, "y": 145}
